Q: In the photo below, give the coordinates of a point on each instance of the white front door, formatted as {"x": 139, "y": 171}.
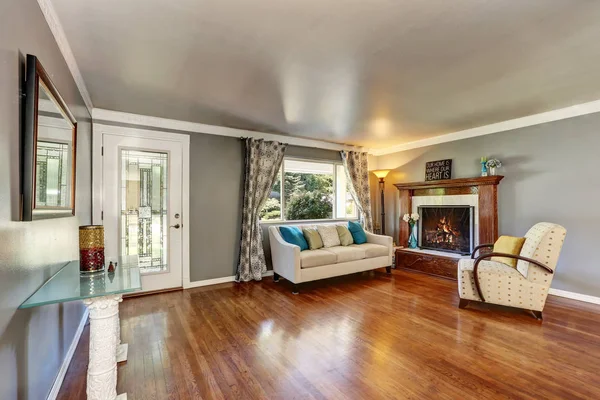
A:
{"x": 142, "y": 205}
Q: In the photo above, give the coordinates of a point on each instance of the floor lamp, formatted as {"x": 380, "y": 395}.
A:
{"x": 381, "y": 174}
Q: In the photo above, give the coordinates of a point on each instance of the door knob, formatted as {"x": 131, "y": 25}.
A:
{"x": 176, "y": 226}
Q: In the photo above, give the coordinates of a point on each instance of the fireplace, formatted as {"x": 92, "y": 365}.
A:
{"x": 446, "y": 228}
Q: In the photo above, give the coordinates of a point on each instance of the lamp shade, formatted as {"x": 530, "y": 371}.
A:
{"x": 381, "y": 173}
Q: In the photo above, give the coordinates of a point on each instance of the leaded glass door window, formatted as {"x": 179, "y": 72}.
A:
{"x": 144, "y": 191}
{"x": 52, "y": 175}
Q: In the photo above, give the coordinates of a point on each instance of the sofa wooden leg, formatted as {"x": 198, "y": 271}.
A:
{"x": 388, "y": 269}
{"x": 295, "y": 290}
{"x": 275, "y": 277}
{"x": 463, "y": 303}
{"x": 537, "y": 315}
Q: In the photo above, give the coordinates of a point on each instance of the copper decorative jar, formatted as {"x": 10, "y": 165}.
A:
{"x": 91, "y": 248}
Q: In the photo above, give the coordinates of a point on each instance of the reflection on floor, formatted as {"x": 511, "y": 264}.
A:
{"x": 367, "y": 335}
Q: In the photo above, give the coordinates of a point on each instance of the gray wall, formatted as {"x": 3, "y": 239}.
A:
{"x": 33, "y": 342}
{"x": 550, "y": 175}
{"x": 216, "y": 198}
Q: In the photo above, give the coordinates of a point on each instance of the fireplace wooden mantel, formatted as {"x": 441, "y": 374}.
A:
{"x": 486, "y": 187}
{"x": 452, "y": 183}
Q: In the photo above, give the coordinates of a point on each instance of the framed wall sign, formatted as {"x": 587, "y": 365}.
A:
{"x": 438, "y": 170}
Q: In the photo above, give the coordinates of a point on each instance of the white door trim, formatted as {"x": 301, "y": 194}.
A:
{"x": 97, "y": 200}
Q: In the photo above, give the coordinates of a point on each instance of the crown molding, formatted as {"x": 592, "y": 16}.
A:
{"x": 504, "y": 126}
{"x": 100, "y": 115}
{"x": 63, "y": 44}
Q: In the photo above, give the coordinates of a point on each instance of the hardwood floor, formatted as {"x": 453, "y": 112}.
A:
{"x": 364, "y": 336}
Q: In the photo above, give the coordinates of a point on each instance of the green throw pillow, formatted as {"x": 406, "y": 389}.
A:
{"x": 345, "y": 235}
{"x": 313, "y": 238}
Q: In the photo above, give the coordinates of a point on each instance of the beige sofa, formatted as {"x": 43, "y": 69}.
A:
{"x": 304, "y": 266}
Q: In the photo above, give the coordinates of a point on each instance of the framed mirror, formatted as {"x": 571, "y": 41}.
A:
{"x": 49, "y": 144}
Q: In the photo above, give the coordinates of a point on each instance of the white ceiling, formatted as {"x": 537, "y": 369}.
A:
{"x": 367, "y": 72}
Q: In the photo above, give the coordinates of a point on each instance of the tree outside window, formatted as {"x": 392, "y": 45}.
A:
{"x": 309, "y": 192}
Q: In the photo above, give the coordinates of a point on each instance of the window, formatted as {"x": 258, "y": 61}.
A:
{"x": 309, "y": 190}
{"x": 52, "y": 174}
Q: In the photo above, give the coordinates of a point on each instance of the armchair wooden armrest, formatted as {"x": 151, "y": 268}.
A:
{"x": 481, "y": 246}
{"x": 516, "y": 257}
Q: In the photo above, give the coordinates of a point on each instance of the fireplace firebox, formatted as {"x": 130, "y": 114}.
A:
{"x": 446, "y": 228}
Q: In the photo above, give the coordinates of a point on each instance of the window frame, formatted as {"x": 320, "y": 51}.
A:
{"x": 335, "y": 164}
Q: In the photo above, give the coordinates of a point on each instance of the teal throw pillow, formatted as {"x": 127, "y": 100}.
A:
{"x": 358, "y": 233}
{"x": 293, "y": 235}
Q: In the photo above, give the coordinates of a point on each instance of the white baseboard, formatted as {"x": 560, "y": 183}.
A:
{"x": 216, "y": 281}
{"x": 67, "y": 361}
{"x": 208, "y": 282}
{"x": 575, "y": 296}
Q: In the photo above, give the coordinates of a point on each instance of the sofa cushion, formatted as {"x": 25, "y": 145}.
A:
{"x": 329, "y": 235}
{"x": 372, "y": 250}
{"x": 316, "y": 258}
{"x": 358, "y": 233}
{"x": 347, "y": 253}
{"x": 293, "y": 235}
{"x": 345, "y": 235}
{"x": 313, "y": 238}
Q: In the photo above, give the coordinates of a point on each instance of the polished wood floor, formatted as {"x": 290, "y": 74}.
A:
{"x": 364, "y": 336}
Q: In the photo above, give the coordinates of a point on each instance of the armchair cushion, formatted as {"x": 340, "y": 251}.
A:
{"x": 508, "y": 245}
{"x": 500, "y": 284}
{"x": 543, "y": 243}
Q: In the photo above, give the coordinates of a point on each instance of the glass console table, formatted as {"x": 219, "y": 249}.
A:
{"x": 101, "y": 293}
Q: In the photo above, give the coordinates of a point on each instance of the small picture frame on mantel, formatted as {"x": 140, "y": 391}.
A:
{"x": 439, "y": 170}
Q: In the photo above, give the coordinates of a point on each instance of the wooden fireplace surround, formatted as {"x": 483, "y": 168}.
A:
{"x": 486, "y": 187}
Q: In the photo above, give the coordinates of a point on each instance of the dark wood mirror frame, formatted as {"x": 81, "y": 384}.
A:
{"x": 35, "y": 74}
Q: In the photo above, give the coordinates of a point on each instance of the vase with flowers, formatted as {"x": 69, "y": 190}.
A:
{"x": 411, "y": 219}
{"x": 492, "y": 164}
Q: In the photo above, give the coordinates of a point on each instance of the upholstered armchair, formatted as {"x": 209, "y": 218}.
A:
{"x": 527, "y": 285}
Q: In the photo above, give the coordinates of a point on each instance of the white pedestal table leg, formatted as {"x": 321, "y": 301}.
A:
{"x": 104, "y": 330}
{"x": 121, "y": 347}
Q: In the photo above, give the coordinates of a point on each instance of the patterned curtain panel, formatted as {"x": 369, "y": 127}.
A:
{"x": 263, "y": 160}
{"x": 357, "y": 170}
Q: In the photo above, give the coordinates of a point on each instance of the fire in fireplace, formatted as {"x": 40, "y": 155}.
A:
{"x": 446, "y": 228}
